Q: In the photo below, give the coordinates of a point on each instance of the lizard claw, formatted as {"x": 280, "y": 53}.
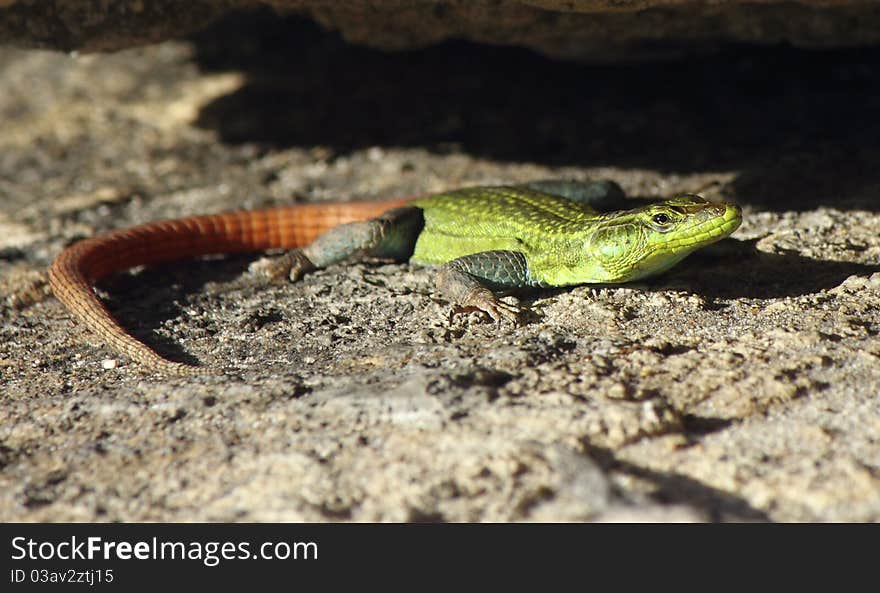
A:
{"x": 501, "y": 311}
{"x": 483, "y": 300}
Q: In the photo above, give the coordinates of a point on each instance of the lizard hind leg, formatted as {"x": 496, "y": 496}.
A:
{"x": 391, "y": 235}
{"x": 469, "y": 282}
{"x": 602, "y": 195}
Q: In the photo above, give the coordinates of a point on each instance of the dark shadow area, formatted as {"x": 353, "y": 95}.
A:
{"x": 702, "y": 425}
{"x": 760, "y": 275}
{"x": 13, "y": 254}
{"x": 143, "y": 301}
{"x": 800, "y": 127}
{"x": 677, "y": 489}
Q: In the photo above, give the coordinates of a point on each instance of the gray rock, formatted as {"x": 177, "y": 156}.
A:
{"x": 592, "y": 29}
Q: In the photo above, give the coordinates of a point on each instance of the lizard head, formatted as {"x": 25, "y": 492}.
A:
{"x": 646, "y": 241}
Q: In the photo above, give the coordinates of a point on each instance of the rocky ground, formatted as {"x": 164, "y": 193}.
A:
{"x": 743, "y": 385}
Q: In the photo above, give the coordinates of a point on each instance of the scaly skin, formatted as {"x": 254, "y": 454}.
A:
{"x": 565, "y": 242}
{"x": 483, "y": 238}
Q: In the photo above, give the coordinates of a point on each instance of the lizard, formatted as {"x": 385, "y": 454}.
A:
{"x": 484, "y": 240}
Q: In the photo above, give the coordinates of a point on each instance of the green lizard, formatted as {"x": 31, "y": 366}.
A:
{"x": 484, "y": 240}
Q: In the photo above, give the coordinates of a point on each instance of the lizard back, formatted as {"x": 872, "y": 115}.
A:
{"x": 473, "y": 220}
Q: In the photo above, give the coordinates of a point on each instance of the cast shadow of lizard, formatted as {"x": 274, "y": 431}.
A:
{"x": 143, "y": 312}
{"x": 747, "y": 273}
{"x": 736, "y": 271}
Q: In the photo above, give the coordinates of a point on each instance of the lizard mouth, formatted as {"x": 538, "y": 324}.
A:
{"x": 711, "y": 223}
{"x": 731, "y": 218}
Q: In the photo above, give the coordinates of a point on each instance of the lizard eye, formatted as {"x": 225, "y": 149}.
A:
{"x": 661, "y": 219}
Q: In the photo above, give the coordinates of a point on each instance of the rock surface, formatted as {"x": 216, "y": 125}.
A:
{"x": 743, "y": 385}
{"x": 586, "y": 29}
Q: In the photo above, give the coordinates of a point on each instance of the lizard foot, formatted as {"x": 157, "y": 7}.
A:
{"x": 483, "y": 300}
{"x": 293, "y": 265}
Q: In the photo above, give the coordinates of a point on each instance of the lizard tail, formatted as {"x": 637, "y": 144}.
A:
{"x": 78, "y": 267}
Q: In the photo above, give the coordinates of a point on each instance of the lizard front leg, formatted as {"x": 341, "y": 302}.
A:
{"x": 389, "y": 236}
{"x": 469, "y": 281}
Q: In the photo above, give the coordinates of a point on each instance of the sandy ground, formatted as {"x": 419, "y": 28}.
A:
{"x": 742, "y": 385}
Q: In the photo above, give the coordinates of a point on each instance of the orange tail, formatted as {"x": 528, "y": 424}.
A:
{"x": 75, "y": 270}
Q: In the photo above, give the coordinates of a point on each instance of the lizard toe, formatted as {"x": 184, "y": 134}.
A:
{"x": 271, "y": 268}
{"x": 509, "y": 312}
{"x": 500, "y": 311}
{"x": 292, "y": 265}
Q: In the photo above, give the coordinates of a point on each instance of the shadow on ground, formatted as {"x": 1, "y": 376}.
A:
{"x": 798, "y": 127}
{"x": 762, "y": 275}
{"x": 142, "y": 302}
{"x": 674, "y": 488}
